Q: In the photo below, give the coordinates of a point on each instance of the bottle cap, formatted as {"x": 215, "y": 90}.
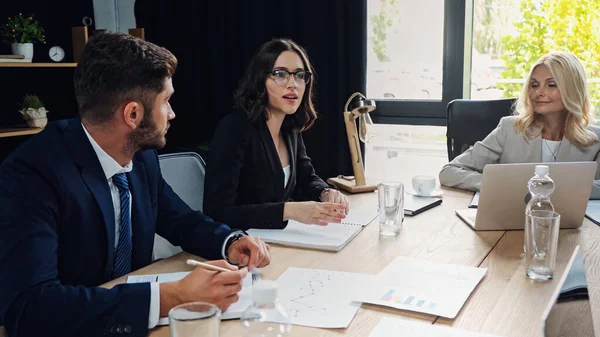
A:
{"x": 542, "y": 170}
{"x": 264, "y": 292}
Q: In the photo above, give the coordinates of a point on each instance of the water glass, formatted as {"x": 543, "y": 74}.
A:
{"x": 195, "y": 319}
{"x": 391, "y": 208}
{"x": 541, "y": 241}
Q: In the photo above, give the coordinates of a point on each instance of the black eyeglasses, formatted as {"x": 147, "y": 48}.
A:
{"x": 282, "y": 76}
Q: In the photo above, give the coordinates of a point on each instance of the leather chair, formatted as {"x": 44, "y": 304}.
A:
{"x": 469, "y": 121}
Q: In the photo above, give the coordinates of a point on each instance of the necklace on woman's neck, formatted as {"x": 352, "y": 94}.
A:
{"x": 554, "y": 154}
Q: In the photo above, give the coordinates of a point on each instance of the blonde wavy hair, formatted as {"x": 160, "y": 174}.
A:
{"x": 569, "y": 74}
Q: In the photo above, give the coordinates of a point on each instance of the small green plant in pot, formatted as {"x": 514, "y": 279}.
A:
{"x": 34, "y": 112}
{"x": 21, "y": 32}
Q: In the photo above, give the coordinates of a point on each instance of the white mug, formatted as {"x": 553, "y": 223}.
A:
{"x": 423, "y": 185}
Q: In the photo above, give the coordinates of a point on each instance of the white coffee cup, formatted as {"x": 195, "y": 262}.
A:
{"x": 423, "y": 185}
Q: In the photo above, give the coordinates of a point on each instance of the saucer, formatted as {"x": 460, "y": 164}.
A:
{"x": 435, "y": 194}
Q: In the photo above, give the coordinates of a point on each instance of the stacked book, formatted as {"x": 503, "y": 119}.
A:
{"x": 13, "y": 58}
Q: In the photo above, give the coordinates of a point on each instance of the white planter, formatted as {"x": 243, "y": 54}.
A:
{"x": 25, "y": 49}
{"x": 35, "y": 118}
{"x": 37, "y": 122}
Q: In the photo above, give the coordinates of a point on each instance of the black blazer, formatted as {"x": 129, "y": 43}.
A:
{"x": 244, "y": 184}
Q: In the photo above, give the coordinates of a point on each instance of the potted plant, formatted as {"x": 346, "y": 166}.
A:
{"x": 34, "y": 112}
{"x": 21, "y": 32}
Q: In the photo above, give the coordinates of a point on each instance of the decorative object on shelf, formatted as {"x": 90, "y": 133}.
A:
{"x": 34, "y": 112}
{"x": 137, "y": 32}
{"x": 80, "y": 38}
{"x": 357, "y": 107}
{"x": 13, "y": 58}
{"x": 21, "y": 32}
{"x": 87, "y": 21}
{"x": 57, "y": 54}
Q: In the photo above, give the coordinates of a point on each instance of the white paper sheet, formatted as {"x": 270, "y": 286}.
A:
{"x": 234, "y": 311}
{"x": 423, "y": 286}
{"x": 321, "y": 298}
{"x": 400, "y": 327}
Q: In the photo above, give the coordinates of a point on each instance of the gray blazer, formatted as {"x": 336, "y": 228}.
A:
{"x": 503, "y": 146}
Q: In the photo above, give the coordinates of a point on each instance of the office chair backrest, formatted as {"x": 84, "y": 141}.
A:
{"x": 184, "y": 172}
{"x": 470, "y": 121}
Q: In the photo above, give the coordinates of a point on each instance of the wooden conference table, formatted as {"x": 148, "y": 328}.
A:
{"x": 505, "y": 303}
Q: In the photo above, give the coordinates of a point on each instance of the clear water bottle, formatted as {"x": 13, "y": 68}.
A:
{"x": 540, "y": 188}
{"x": 266, "y": 317}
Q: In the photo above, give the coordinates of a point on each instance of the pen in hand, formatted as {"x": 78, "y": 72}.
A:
{"x": 207, "y": 266}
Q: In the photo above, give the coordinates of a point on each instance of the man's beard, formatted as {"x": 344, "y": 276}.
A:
{"x": 147, "y": 135}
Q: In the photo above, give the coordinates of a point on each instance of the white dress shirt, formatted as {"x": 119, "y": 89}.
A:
{"x": 110, "y": 168}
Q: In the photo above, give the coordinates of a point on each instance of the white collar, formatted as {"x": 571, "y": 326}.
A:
{"x": 109, "y": 165}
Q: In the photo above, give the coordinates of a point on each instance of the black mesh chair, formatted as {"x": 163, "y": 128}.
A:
{"x": 470, "y": 121}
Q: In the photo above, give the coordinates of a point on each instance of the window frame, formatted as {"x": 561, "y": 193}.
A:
{"x": 433, "y": 112}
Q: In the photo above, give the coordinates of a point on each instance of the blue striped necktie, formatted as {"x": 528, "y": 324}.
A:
{"x": 123, "y": 254}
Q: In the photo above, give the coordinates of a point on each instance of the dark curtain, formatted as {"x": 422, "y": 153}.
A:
{"x": 214, "y": 41}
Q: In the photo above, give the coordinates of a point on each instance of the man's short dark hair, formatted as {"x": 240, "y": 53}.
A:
{"x": 116, "y": 68}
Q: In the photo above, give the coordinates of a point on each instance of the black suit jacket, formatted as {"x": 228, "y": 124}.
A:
{"x": 57, "y": 237}
{"x": 244, "y": 184}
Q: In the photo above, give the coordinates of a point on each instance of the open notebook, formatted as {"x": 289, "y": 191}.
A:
{"x": 234, "y": 311}
{"x": 334, "y": 236}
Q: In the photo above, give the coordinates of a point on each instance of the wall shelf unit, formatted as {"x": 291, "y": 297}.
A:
{"x": 37, "y": 65}
{"x": 18, "y": 131}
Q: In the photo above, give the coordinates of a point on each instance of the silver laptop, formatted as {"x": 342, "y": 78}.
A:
{"x": 503, "y": 195}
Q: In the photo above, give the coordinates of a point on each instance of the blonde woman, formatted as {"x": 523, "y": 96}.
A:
{"x": 552, "y": 123}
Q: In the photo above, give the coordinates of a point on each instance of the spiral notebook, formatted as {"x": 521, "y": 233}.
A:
{"x": 332, "y": 237}
{"x": 233, "y": 312}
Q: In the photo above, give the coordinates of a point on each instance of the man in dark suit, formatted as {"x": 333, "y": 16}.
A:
{"x": 81, "y": 202}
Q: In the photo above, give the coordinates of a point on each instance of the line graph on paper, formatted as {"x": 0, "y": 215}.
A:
{"x": 319, "y": 298}
{"x": 304, "y": 300}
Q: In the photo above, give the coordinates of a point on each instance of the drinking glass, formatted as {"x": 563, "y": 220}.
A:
{"x": 391, "y": 208}
{"x": 541, "y": 241}
{"x": 195, "y": 319}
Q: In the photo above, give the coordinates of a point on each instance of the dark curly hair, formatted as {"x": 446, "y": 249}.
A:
{"x": 251, "y": 95}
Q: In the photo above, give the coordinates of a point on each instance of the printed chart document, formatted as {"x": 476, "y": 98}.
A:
{"x": 321, "y": 298}
{"x": 400, "y": 327}
{"x": 234, "y": 311}
{"x": 423, "y": 286}
{"x": 334, "y": 236}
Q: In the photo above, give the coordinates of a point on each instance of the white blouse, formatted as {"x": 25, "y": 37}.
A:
{"x": 286, "y": 175}
{"x": 550, "y": 150}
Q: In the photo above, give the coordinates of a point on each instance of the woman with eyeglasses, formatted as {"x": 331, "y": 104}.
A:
{"x": 258, "y": 174}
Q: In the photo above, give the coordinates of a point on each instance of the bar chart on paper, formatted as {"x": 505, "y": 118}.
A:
{"x": 320, "y": 298}
{"x": 394, "y": 296}
{"x": 423, "y": 286}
